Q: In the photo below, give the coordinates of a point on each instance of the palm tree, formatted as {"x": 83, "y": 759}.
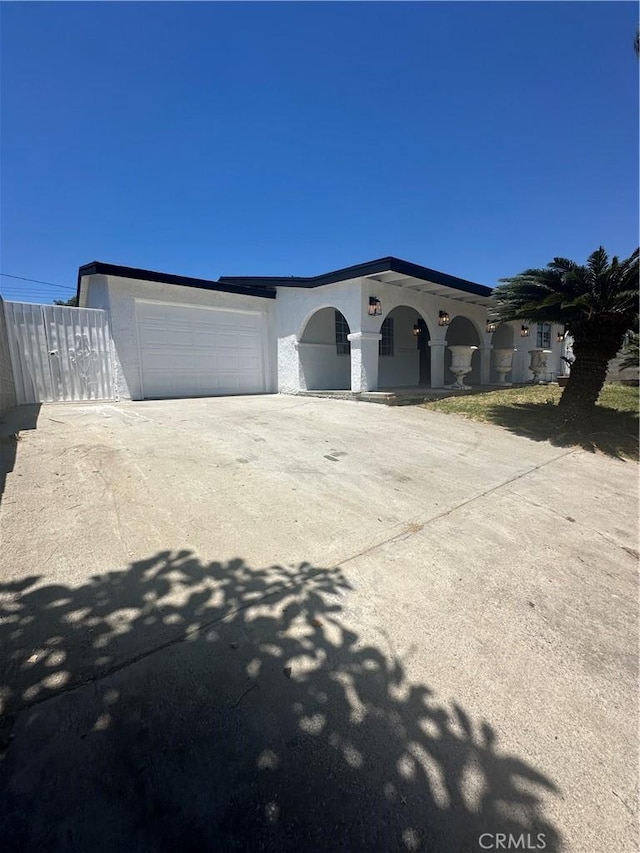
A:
{"x": 597, "y": 303}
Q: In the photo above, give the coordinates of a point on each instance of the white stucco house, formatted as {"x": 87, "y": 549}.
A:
{"x": 379, "y": 325}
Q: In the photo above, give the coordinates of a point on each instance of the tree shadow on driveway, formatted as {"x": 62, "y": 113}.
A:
{"x": 609, "y": 431}
{"x": 180, "y": 706}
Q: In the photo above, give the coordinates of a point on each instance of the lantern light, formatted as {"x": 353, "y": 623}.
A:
{"x": 491, "y": 326}
{"x": 375, "y": 306}
{"x": 524, "y": 331}
{"x": 443, "y": 318}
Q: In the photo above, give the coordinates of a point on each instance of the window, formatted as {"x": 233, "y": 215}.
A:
{"x": 543, "y": 340}
{"x": 343, "y": 346}
{"x": 385, "y": 346}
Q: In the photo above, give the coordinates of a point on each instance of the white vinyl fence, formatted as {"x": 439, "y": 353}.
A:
{"x": 59, "y": 353}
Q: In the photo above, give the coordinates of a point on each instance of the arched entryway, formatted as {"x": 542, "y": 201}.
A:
{"x": 462, "y": 332}
{"x": 501, "y": 339}
{"x": 404, "y": 356}
{"x": 324, "y": 352}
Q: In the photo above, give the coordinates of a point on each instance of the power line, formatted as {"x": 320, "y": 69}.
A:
{"x": 34, "y": 295}
{"x": 37, "y": 281}
{"x": 17, "y": 288}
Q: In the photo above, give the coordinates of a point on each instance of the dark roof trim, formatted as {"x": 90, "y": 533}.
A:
{"x": 265, "y": 286}
{"x": 100, "y": 268}
{"x": 389, "y": 264}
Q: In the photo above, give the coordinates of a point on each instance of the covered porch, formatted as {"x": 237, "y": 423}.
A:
{"x": 396, "y": 335}
{"x": 389, "y": 326}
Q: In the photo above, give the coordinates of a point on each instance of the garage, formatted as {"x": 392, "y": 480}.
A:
{"x": 193, "y": 351}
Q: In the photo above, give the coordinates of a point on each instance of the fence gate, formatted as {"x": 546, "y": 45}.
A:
{"x": 59, "y": 353}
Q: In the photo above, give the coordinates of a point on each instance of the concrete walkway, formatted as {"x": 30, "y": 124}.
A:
{"x": 276, "y": 623}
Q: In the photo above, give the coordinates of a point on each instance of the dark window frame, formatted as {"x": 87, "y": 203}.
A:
{"x": 343, "y": 344}
{"x": 386, "y": 345}
{"x": 543, "y": 336}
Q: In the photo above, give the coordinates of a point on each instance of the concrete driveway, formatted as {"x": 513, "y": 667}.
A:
{"x": 279, "y": 624}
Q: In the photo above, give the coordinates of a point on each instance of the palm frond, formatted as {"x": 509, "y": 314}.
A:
{"x": 598, "y": 263}
{"x": 566, "y": 292}
{"x": 562, "y": 266}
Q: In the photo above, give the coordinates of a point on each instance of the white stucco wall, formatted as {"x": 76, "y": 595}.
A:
{"x": 118, "y": 295}
{"x": 321, "y": 366}
{"x": 401, "y": 369}
{"x": 94, "y": 293}
{"x": 294, "y": 308}
{"x": 321, "y": 327}
{"x": 322, "y": 369}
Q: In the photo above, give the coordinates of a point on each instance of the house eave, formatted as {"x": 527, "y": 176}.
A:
{"x": 102, "y": 268}
{"x": 370, "y": 269}
{"x": 388, "y": 270}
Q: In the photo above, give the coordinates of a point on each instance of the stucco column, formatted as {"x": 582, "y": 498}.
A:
{"x": 364, "y": 360}
{"x": 485, "y": 364}
{"x": 289, "y": 372}
{"x": 437, "y": 363}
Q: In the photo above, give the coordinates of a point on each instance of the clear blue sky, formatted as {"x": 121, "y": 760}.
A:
{"x": 292, "y": 139}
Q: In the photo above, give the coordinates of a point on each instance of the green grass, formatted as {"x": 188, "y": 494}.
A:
{"x": 532, "y": 411}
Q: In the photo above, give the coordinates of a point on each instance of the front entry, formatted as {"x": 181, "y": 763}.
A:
{"x": 424, "y": 354}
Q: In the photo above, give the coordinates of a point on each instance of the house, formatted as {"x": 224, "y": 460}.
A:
{"x": 377, "y": 325}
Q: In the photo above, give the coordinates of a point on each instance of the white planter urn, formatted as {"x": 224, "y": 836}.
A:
{"x": 461, "y": 365}
{"x": 538, "y": 363}
{"x": 502, "y": 362}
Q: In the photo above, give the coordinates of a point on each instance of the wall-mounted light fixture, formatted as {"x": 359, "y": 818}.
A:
{"x": 416, "y": 329}
{"x": 524, "y": 331}
{"x": 560, "y": 337}
{"x": 443, "y": 318}
{"x": 491, "y": 326}
{"x": 375, "y": 306}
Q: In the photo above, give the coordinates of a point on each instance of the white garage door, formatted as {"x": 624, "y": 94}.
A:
{"x": 199, "y": 352}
